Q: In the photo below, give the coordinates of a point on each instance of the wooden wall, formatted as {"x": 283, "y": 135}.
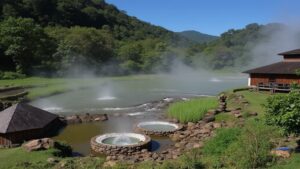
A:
{"x": 280, "y": 79}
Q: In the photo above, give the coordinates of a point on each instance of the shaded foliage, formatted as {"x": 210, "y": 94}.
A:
{"x": 284, "y": 111}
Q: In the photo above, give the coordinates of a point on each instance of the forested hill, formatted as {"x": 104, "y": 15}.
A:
{"x": 56, "y": 37}
{"x": 197, "y": 37}
{"x": 63, "y": 37}
{"x": 87, "y": 13}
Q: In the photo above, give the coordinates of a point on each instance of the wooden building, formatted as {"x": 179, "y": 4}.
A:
{"x": 278, "y": 76}
{"x": 22, "y": 122}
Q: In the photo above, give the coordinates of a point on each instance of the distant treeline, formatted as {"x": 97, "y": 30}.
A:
{"x": 52, "y": 37}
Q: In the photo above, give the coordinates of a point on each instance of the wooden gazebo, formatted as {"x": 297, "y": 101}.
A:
{"x": 278, "y": 76}
{"x": 22, "y": 122}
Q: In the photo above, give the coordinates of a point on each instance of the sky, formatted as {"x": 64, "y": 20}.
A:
{"x": 210, "y": 16}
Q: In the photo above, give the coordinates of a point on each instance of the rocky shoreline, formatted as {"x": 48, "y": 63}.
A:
{"x": 190, "y": 136}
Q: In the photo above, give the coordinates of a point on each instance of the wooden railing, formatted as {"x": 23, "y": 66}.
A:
{"x": 274, "y": 87}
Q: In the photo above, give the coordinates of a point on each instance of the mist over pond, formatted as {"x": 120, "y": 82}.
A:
{"x": 115, "y": 94}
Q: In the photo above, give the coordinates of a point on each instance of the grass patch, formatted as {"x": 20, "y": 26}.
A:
{"x": 18, "y": 158}
{"x": 192, "y": 110}
{"x": 224, "y": 137}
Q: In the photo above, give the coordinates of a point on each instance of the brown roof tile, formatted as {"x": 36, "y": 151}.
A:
{"x": 22, "y": 117}
{"x": 291, "y": 52}
{"x": 277, "y": 68}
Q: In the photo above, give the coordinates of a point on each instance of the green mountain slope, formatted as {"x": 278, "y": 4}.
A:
{"x": 196, "y": 36}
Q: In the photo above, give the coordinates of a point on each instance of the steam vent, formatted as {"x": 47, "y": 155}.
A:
{"x": 120, "y": 143}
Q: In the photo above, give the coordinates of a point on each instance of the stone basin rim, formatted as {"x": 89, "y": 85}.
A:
{"x": 143, "y": 139}
{"x": 145, "y": 123}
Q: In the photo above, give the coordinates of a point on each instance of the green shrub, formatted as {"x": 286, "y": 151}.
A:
{"x": 218, "y": 144}
{"x": 11, "y": 75}
{"x": 192, "y": 110}
{"x": 284, "y": 111}
{"x": 62, "y": 149}
{"x": 252, "y": 148}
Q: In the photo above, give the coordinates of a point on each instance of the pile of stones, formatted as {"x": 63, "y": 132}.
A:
{"x": 84, "y": 118}
{"x": 222, "y": 103}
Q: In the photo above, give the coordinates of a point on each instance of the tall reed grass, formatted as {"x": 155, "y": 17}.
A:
{"x": 192, "y": 110}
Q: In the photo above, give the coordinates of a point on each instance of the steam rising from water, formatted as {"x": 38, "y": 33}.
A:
{"x": 103, "y": 98}
{"x": 286, "y": 38}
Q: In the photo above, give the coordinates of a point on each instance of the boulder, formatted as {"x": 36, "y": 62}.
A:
{"x": 238, "y": 115}
{"x": 73, "y": 119}
{"x": 198, "y": 145}
{"x": 52, "y": 160}
{"x": 217, "y": 125}
{"x": 39, "y": 144}
{"x": 109, "y": 164}
{"x": 253, "y": 114}
{"x": 190, "y": 124}
{"x": 103, "y": 117}
{"x": 208, "y": 119}
{"x": 281, "y": 153}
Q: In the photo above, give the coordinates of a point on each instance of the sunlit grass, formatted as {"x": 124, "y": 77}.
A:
{"x": 192, "y": 110}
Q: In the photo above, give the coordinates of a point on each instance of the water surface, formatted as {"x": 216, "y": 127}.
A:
{"x": 129, "y": 95}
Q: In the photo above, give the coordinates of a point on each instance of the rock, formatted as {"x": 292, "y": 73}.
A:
{"x": 253, "y": 113}
{"x": 73, "y": 119}
{"x": 39, "y": 144}
{"x": 177, "y": 145}
{"x": 217, "y": 125}
{"x": 238, "y": 115}
{"x": 236, "y": 112}
{"x": 281, "y": 153}
{"x": 204, "y": 131}
{"x": 155, "y": 156}
{"x": 175, "y": 137}
{"x": 52, "y": 160}
{"x": 144, "y": 151}
{"x": 109, "y": 164}
{"x": 208, "y": 119}
{"x": 198, "y": 145}
{"x": 190, "y": 124}
{"x": 212, "y": 112}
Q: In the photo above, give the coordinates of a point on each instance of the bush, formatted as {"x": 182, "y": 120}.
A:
{"x": 284, "y": 111}
{"x": 11, "y": 75}
{"x": 62, "y": 149}
{"x": 252, "y": 148}
{"x": 192, "y": 110}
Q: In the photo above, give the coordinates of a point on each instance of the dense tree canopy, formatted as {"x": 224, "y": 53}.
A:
{"x": 23, "y": 43}
{"x": 52, "y": 37}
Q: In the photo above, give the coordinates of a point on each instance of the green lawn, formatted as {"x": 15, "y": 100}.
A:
{"x": 192, "y": 110}
{"x": 13, "y": 157}
{"x": 41, "y": 87}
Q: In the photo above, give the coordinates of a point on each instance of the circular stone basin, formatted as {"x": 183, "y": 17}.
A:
{"x": 119, "y": 143}
{"x": 158, "y": 127}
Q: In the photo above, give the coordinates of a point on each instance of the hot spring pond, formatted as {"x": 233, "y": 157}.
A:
{"x": 122, "y": 94}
